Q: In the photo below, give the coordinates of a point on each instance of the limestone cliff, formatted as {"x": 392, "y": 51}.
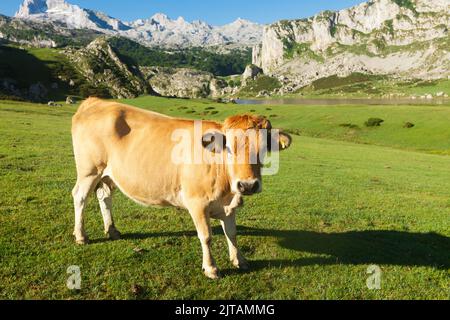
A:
{"x": 402, "y": 38}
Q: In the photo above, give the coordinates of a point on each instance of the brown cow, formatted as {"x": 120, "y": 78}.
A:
{"x": 116, "y": 145}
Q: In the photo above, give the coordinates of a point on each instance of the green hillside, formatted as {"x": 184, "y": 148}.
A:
{"x": 27, "y": 66}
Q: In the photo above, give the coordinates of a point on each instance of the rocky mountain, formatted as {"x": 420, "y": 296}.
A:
{"x": 43, "y": 34}
{"x": 98, "y": 69}
{"x": 400, "y": 38}
{"x": 71, "y": 15}
{"x": 159, "y": 30}
{"x": 101, "y": 67}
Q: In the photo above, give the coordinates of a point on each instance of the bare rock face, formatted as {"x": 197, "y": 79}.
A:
{"x": 250, "y": 73}
{"x": 218, "y": 88}
{"x": 179, "y": 82}
{"x": 101, "y": 67}
{"x": 407, "y": 38}
{"x": 70, "y": 100}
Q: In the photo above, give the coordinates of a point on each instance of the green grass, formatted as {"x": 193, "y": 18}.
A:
{"x": 431, "y": 133}
{"x": 338, "y": 205}
{"x": 359, "y": 85}
{"x": 428, "y": 87}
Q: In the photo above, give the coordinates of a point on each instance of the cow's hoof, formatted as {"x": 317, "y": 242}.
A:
{"x": 114, "y": 234}
{"x": 212, "y": 273}
{"x": 82, "y": 241}
{"x": 81, "y": 238}
{"x": 241, "y": 264}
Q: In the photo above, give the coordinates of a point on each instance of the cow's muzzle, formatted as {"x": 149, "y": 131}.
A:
{"x": 249, "y": 187}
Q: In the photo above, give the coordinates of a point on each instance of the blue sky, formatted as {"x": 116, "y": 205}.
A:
{"x": 212, "y": 11}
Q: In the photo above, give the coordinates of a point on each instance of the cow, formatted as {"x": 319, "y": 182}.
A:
{"x": 131, "y": 149}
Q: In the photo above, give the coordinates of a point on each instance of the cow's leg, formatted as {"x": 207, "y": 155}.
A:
{"x": 203, "y": 225}
{"x": 104, "y": 196}
{"x": 229, "y": 228}
{"x": 80, "y": 195}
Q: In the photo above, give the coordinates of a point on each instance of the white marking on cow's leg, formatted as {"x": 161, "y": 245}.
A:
{"x": 229, "y": 228}
{"x": 80, "y": 195}
{"x": 203, "y": 226}
{"x": 104, "y": 196}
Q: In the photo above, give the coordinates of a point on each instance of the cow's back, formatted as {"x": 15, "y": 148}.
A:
{"x": 134, "y": 148}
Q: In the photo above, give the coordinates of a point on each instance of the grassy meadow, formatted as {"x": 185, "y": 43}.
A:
{"x": 346, "y": 197}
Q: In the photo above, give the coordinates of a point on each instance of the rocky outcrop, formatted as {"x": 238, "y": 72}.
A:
{"x": 101, "y": 67}
{"x": 402, "y": 38}
{"x": 183, "y": 82}
{"x": 70, "y": 100}
{"x": 250, "y": 73}
{"x": 218, "y": 88}
{"x": 34, "y": 92}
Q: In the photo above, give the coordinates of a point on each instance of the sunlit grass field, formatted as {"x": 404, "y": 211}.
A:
{"x": 344, "y": 199}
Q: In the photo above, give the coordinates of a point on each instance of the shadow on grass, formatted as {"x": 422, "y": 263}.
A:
{"x": 354, "y": 248}
{"x": 358, "y": 247}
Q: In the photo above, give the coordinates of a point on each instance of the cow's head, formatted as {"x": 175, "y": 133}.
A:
{"x": 245, "y": 141}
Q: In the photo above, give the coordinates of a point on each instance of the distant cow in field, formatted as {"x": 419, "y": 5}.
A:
{"x": 116, "y": 145}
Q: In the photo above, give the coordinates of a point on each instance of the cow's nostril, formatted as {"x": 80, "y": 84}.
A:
{"x": 241, "y": 187}
{"x": 255, "y": 187}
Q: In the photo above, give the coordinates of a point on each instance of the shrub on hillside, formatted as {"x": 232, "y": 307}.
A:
{"x": 261, "y": 83}
{"x": 374, "y": 122}
{"x": 409, "y": 125}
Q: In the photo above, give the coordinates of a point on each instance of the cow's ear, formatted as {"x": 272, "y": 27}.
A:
{"x": 214, "y": 141}
{"x": 283, "y": 140}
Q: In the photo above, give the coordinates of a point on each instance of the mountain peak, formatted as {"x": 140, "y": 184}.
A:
{"x": 160, "y": 17}
{"x": 30, "y": 7}
{"x": 158, "y": 30}
{"x": 71, "y": 15}
{"x": 242, "y": 21}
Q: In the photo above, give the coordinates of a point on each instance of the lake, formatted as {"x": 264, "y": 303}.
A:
{"x": 356, "y": 101}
